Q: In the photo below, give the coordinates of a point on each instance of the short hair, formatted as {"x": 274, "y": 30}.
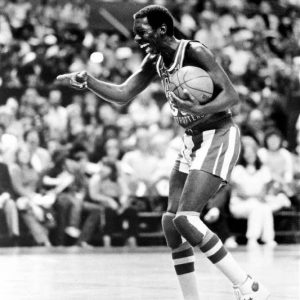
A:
{"x": 156, "y": 16}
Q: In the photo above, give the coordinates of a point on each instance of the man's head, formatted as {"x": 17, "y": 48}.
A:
{"x": 32, "y": 139}
{"x": 152, "y": 24}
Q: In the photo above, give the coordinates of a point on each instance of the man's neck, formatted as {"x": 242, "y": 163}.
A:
{"x": 168, "y": 50}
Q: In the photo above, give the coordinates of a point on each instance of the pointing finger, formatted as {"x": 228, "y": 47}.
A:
{"x": 63, "y": 77}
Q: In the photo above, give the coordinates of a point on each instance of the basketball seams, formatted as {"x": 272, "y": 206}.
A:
{"x": 179, "y": 81}
{"x": 185, "y": 83}
{"x": 181, "y": 84}
{"x": 196, "y": 89}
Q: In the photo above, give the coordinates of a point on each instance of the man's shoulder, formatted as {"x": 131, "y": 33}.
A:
{"x": 195, "y": 45}
{"x": 196, "y": 48}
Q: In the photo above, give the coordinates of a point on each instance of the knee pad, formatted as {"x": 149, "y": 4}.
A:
{"x": 172, "y": 236}
{"x": 190, "y": 227}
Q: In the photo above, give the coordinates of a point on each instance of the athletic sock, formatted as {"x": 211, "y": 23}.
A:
{"x": 183, "y": 258}
{"x": 214, "y": 250}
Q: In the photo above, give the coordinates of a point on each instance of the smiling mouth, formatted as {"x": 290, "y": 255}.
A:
{"x": 147, "y": 47}
{"x": 144, "y": 45}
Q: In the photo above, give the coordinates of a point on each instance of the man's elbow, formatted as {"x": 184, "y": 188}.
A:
{"x": 126, "y": 95}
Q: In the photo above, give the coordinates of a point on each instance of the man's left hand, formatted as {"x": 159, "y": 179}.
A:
{"x": 189, "y": 105}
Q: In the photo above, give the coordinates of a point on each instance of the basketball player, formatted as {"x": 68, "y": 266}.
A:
{"x": 211, "y": 145}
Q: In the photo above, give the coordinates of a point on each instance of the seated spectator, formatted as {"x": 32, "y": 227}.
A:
{"x": 109, "y": 191}
{"x": 140, "y": 165}
{"x": 7, "y": 202}
{"x": 296, "y": 170}
{"x": 250, "y": 197}
{"x": 40, "y": 157}
{"x": 279, "y": 161}
{"x": 67, "y": 181}
{"x": 256, "y": 122}
{"x": 9, "y": 142}
{"x": 33, "y": 207}
{"x": 159, "y": 187}
{"x": 57, "y": 116}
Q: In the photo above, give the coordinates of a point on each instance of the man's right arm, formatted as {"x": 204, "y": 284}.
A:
{"x": 115, "y": 93}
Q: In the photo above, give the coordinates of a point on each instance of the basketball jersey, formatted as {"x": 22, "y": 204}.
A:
{"x": 184, "y": 119}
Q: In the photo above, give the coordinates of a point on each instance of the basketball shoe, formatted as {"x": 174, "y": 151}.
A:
{"x": 251, "y": 290}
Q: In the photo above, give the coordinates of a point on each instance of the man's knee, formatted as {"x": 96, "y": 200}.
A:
{"x": 189, "y": 225}
{"x": 172, "y": 236}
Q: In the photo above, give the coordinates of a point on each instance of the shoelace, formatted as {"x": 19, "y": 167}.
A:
{"x": 239, "y": 295}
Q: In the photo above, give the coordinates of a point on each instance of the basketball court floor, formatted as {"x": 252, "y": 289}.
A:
{"x": 144, "y": 273}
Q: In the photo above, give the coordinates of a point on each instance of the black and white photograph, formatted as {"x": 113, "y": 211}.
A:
{"x": 150, "y": 149}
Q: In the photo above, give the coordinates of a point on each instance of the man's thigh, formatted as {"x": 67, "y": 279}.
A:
{"x": 199, "y": 187}
{"x": 177, "y": 181}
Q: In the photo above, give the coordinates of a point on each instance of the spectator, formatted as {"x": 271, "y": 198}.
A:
{"x": 140, "y": 165}
{"x": 32, "y": 206}
{"x": 250, "y": 198}
{"x": 7, "y": 202}
{"x": 296, "y": 170}
{"x": 67, "y": 181}
{"x": 8, "y": 141}
{"x": 40, "y": 157}
{"x": 57, "y": 117}
{"x": 255, "y": 123}
{"x": 109, "y": 190}
{"x": 279, "y": 161}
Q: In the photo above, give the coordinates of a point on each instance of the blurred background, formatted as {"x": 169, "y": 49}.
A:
{"x": 76, "y": 170}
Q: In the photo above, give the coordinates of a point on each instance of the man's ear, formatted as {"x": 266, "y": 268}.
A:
{"x": 163, "y": 29}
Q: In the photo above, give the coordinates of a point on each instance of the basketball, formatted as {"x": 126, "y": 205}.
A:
{"x": 195, "y": 80}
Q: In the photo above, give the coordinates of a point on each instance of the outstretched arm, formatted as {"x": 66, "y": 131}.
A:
{"x": 224, "y": 95}
{"x": 114, "y": 93}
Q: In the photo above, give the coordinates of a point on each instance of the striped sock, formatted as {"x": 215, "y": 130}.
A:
{"x": 214, "y": 250}
{"x": 183, "y": 258}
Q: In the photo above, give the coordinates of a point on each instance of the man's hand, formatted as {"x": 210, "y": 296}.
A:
{"x": 189, "y": 105}
{"x": 77, "y": 80}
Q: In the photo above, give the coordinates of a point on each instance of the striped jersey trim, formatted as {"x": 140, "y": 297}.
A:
{"x": 229, "y": 153}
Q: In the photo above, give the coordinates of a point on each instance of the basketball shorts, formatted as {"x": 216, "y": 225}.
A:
{"x": 215, "y": 151}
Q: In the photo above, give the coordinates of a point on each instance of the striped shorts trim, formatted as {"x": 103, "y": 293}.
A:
{"x": 215, "y": 151}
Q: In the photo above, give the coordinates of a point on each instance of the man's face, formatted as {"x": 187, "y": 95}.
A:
{"x": 145, "y": 35}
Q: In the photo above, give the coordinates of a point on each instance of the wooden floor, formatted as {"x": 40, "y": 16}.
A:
{"x": 141, "y": 274}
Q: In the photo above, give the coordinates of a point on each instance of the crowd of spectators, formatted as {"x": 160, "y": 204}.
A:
{"x": 75, "y": 166}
